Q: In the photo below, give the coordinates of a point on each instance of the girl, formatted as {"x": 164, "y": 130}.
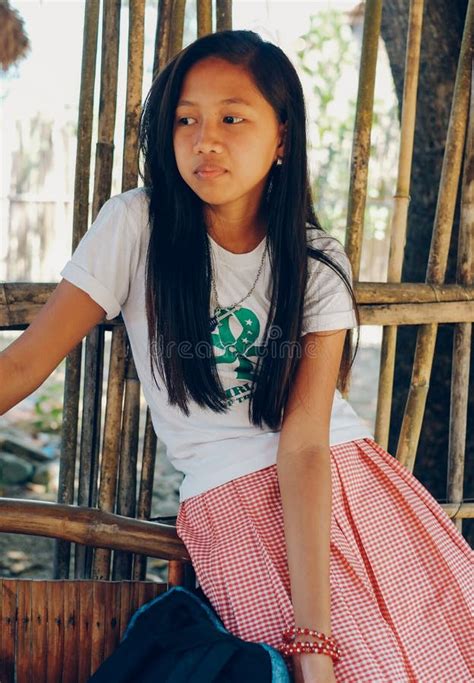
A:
{"x": 237, "y": 306}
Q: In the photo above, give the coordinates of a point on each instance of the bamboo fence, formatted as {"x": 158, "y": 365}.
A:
{"x": 462, "y": 330}
{"x": 400, "y": 215}
{"x": 108, "y": 467}
{"x": 438, "y": 256}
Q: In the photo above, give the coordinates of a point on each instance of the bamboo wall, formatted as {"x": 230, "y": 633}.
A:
{"x": 107, "y": 457}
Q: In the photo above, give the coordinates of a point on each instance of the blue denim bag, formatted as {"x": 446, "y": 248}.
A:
{"x": 177, "y": 638}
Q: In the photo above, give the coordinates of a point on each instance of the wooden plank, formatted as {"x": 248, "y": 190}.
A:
{"x": 39, "y": 617}
{"x": 23, "y": 634}
{"x": 125, "y": 605}
{"x": 175, "y": 573}
{"x": 72, "y": 644}
{"x": 8, "y": 629}
{"x": 55, "y": 631}
{"x": 153, "y": 589}
{"x": 141, "y": 590}
{"x": 85, "y": 630}
{"x": 135, "y": 597}
{"x": 98, "y": 624}
{"x": 112, "y": 617}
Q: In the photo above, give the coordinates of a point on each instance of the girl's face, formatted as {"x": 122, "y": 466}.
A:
{"x": 226, "y": 136}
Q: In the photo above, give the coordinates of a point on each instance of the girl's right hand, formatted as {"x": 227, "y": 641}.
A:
{"x": 313, "y": 668}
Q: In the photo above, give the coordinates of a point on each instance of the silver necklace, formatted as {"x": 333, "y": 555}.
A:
{"x": 221, "y": 312}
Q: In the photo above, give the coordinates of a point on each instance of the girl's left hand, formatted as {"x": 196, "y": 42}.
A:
{"x": 316, "y": 668}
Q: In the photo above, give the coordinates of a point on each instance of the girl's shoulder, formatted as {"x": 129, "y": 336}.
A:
{"x": 125, "y": 213}
{"x": 317, "y": 238}
{"x": 320, "y": 239}
{"x": 134, "y": 201}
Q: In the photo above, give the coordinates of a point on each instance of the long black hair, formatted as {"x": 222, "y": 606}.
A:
{"x": 178, "y": 269}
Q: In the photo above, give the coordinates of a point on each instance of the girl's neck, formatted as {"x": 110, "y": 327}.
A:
{"x": 239, "y": 237}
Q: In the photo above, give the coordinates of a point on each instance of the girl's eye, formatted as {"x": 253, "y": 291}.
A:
{"x": 184, "y": 118}
{"x": 234, "y": 117}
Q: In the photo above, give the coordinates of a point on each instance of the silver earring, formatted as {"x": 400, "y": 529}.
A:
{"x": 279, "y": 161}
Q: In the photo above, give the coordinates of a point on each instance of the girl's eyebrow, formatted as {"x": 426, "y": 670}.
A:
{"x": 229, "y": 100}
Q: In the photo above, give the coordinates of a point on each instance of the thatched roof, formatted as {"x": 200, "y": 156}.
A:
{"x": 14, "y": 43}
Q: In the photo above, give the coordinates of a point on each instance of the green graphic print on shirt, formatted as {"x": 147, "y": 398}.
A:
{"x": 238, "y": 349}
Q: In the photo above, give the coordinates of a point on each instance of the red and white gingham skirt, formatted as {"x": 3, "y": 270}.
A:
{"x": 402, "y": 576}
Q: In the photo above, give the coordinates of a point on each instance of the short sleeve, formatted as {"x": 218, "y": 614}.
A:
{"x": 106, "y": 257}
{"x": 328, "y": 304}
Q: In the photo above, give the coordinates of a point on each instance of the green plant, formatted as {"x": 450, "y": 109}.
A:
{"x": 329, "y": 59}
{"x": 48, "y": 408}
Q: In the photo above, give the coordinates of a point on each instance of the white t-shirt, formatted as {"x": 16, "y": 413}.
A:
{"x": 209, "y": 448}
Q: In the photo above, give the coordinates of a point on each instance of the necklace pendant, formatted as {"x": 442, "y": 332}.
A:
{"x": 222, "y": 313}
{"x": 219, "y": 315}
{"x": 213, "y": 323}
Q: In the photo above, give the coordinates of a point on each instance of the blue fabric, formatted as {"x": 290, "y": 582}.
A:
{"x": 176, "y": 638}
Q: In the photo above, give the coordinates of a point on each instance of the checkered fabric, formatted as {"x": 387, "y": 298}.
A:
{"x": 402, "y": 576}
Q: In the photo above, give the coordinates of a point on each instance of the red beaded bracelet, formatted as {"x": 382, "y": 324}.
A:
{"x": 303, "y": 647}
{"x": 290, "y": 634}
{"x": 292, "y": 646}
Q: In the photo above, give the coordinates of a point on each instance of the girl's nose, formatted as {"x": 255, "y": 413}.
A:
{"x": 207, "y": 139}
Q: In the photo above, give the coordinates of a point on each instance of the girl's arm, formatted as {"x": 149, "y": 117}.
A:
{"x": 304, "y": 474}
{"x": 65, "y": 319}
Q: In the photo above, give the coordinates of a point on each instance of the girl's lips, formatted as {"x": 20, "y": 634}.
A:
{"x": 210, "y": 173}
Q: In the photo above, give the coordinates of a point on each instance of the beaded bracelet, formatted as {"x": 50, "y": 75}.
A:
{"x": 292, "y": 646}
{"x": 302, "y": 648}
{"x": 289, "y": 635}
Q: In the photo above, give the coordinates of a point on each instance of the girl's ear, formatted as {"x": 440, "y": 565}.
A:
{"x": 282, "y": 136}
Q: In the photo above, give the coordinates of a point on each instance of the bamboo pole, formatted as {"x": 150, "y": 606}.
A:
{"x": 414, "y": 409}
{"x": 68, "y": 450}
{"x": 362, "y": 131}
{"x": 399, "y": 217}
{"x": 91, "y": 527}
{"x": 107, "y": 105}
{"x": 204, "y": 17}
{"x": 105, "y": 143}
{"x": 72, "y": 381}
{"x": 416, "y": 314}
{"x": 411, "y": 293}
{"x": 127, "y": 482}
{"x": 462, "y": 331}
{"x": 162, "y": 36}
{"x": 146, "y": 488}
{"x": 223, "y": 15}
{"x": 85, "y": 120}
{"x": 379, "y": 302}
{"x": 177, "y": 28}
{"x": 136, "y": 40}
{"x": 136, "y": 35}
{"x": 111, "y": 442}
{"x": 90, "y": 437}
